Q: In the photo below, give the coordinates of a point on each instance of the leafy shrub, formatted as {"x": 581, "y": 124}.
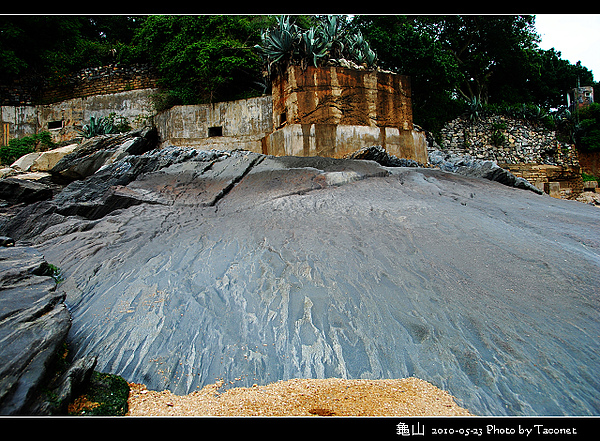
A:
{"x": 587, "y": 132}
{"x": 106, "y": 395}
{"x": 22, "y": 146}
{"x": 498, "y": 137}
{"x": 202, "y": 59}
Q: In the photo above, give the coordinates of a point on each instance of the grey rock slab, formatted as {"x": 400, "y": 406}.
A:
{"x": 17, "y": 191}
{"x": 465, "y": 165}
{"x": 64, "y": 389}
{"x": 34, "y": 322}
{"x": 485, "y": 290}
{"x": 100, "y": 151}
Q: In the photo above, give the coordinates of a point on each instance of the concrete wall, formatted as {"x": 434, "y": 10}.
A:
{"x": 17, "y": 122}
{"x": 334, "y": 111}
{"x": 64, "y": 118}
{"x": 338, "y": 141}
{"x": 329, "y": 111}
{"x": 227, "y": 125}
{"x": 135, "y": 106}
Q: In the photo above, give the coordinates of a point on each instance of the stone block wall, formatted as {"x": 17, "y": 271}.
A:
{"x": 101, "y": 81}
{"x": 20, "y": 92}
{"x": 523, "y": 143}
{"x": 590, "y": 163}
{"x": 568, "y": 177}
{"x": 527, "y": 150}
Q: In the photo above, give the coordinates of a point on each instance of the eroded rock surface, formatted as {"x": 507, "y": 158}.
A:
{"x": 34, "y": 322}
{"x": 253, "y": 269}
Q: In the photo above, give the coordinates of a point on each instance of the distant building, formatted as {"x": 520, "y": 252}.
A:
{"x": 580, "y": 96}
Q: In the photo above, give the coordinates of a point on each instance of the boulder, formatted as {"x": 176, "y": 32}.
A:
{"x": 478, "y": 168}
{"x": 38, "y": 176}
{"x": 7, "y": 172}
{"x": 47, "y": 160}
{"x": 16, "y": 191}
{"x": 25, "y": 162}
{"x": 102, "y": 150}
{"x": 34, "y": 322}
{"x": 184, "y": 266}
{"x": 379, "y": 155}
{"x": 61, "y": 391}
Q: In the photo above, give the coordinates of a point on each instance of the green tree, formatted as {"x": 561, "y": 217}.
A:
{"x": 461, "y": 62}
{"x": 50, "y": 47}
{"x": 587, "y": 133}
{"x": 405, "y": 49}
{"x": 482, "y": 46}
{"x": 33, "y": 45}
{"x": 203, "y": 58}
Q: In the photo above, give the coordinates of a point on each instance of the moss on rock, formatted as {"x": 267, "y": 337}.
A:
{"x": 106, "y": 394}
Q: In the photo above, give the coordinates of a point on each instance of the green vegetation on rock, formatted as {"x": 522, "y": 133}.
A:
{"x": 22, "y": 146}
{"x": 106, "y": 395}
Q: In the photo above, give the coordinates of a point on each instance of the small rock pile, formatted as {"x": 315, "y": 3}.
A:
{"x": 478, "y": 168}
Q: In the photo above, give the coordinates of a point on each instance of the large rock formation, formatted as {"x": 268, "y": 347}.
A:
{"x": 34, "y": 323}
{"x": 182, "y": 267}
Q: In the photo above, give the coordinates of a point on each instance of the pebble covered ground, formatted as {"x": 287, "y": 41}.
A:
{"x": 301, "y": 397}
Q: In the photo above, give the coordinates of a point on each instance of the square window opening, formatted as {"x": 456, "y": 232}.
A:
{"x": 52, "y": 125}
{"x": 215, "y": 131}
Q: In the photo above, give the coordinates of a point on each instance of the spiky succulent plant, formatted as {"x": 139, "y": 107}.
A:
{"x": 328, "y": 40}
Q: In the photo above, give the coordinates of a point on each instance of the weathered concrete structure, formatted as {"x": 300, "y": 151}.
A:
{"x": 62, "y": 119}
{"x": 227, "y": 125}
{"x": 329, "y": 111}
{"x": 17, "y": 122}
{"x": 334, "y": 111}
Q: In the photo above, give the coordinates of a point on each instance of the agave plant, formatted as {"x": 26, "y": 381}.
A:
{"x": 100, "y": 126}
{"x": 360, "y": 51}
{"x": 333, "y": 34}
{"x": 330, "y": 39}
{"x": 475, "y": 109}
{"x": 279, "y": 43}
{"x": 313, "y": 45}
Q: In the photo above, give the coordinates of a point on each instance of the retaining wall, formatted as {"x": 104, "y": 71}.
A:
{"x": 528, "y": 150}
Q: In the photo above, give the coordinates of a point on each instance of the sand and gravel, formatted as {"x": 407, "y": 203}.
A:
{"x": 301, "y": 397}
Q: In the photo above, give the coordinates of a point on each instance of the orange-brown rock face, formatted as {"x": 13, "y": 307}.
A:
{"x": 336, "y": 95}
